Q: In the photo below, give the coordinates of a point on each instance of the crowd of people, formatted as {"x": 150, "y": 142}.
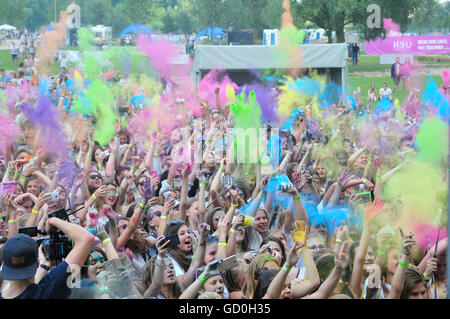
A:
{"x": 129, "y": 219}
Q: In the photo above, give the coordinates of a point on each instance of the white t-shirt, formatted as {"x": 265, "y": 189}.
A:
{"x": 386, "y": 92}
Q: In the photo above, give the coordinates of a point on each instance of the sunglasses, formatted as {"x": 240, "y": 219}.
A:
{"x": 144, "y": 183}
{"x": 176, "y": 222}
{"x": 157, "y": 213}
{"x": 93, "y": 261}
{"x": 95, "y": 176}
{"x": 2, "y": 218}
{"x": 28, "y": 207}
{"x": 123, "y": 226}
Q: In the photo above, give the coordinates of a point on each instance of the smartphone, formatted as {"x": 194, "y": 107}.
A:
{"x": 155, "y": 174}
{"x": 30, "y": 231}
{"x": 227, "y": 263}
{"x": 174, "y": 240}
{"x": 54, "y": 196}
{"x": 105, "y": 154}
{"x": 364, "y": 197}
{"x": 8, "y": 187}
{"x": 113, "y": 265}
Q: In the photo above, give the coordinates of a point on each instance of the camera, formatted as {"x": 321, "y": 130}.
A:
{"x": 57, "y": 246}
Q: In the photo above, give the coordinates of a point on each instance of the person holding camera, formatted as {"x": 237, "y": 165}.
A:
{"x": 21, "y": 260}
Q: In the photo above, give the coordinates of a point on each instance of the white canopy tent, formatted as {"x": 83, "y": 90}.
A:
{"x": 7, "y": 27}
{"x": 257, "y": 57}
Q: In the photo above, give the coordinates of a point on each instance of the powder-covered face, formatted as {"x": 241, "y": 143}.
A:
{"x": 215, "y": 284}
{"x": 111, "y": 195}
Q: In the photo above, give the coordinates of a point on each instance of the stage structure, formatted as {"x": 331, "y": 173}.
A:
{"x": 238, "y": 60}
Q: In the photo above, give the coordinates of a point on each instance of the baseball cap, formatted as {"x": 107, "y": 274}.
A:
{"x": 20, "y": 258}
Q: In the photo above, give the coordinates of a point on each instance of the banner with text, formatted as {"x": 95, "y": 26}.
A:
{"x": 426, "y": 44}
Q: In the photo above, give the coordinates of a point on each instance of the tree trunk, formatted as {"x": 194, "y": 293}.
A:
{"x": 330, "y": 36}
{"x": 340, "y": 34}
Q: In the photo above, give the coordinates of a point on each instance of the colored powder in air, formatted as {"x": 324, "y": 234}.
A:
{"x": 391, "y": 28}
{"x": 434, "y": 100}
{"x": 426, "y": 235}
{"x": 432, "y": 140}
{"x": 290, "y": 39}
{"x": 9, "y": 132}
{"x": 215, "y": 79}
{"x": 247, "y": 120}
{"x": 265, "y": 98}
{"x": 47, "y": 118}
{"x": 416, "y": 186}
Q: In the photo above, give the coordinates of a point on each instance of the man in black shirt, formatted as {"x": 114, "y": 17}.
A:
{"x": 355, "y": 54}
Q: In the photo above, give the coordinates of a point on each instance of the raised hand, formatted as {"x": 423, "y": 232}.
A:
{"x": 293, "y": 255}
{"x": 407, "y": 243}
{"x": 161, "y": 246}
{"x": 117, "y": 126}
{"x": 341, "y": 260}
{"x": 373, "y": 209}
{"x": 344, "y": 178}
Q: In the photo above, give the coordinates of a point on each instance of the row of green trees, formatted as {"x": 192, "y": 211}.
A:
{"x": 188, "y": 16}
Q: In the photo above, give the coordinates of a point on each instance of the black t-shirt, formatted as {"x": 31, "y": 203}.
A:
{"x": 52, "y": 286}
{"x": 355, "y": 49}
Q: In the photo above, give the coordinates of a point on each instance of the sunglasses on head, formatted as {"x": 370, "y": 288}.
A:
{"x": 95, "y": 176}
{"x": 157, "y": 213}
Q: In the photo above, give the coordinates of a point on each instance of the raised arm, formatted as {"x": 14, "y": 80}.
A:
{"x": 340, "y": 263}
{"x": 399, "y": 275}
{"x": 372, "y": 210}
{"x": 158, "y": 276}
{"x": 277, "y": 284}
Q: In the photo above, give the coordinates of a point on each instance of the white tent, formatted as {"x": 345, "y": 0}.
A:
{"x": 240, "y": 58}
{"x": 7, "y": 27}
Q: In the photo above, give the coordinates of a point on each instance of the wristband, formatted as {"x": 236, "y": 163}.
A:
{"x": 16, "y": 175}
{"x": 234, "y": 205}
{"x": 403, "y": 264}
{"x": 34, "y": 211}
{"x": 338, "y": 240}
{"x": 70, "y": 195}
{"x": 306, "y": 154}
{"x": 44, "y": 267}
{"x": 89, "y": 154}
{"x": 314, "y": 166}
{"x": 106, "y": 240}
{"x": 378, "y": 178}
{"x": 232, "y": 230}
{"x": 222, "y": 168}
{"x": 142, "y": 205}
{"x": 222, "y": 244}
{"x": 113, "y": 154}
{"x": 131, "y": 145}
{"x": 12, "y": 221}
{"x": 9, "y": 170}
{"x": 362, "y": 149}
{"x": 364, "y": 181}
{"x": 207, "y": 143}
{"x": 380, "y": 252}
{"x": 164, "y": 217}
{"x": 261, "y": 195}
{"x": 94, "y": 197}
{"x": 299, "y": 148}
{"x": 156, "y": 154}
{"x": 100, "y": 166}
{"x": 202, "y": 279}
{"x": 133, "y": 169}
{"x": 426, "y": 277}
{"x": 91, "y": 230}
{"x": 287, "y": 269}
{"x": 296, "y": 198}
{"x": 203, "y": 185}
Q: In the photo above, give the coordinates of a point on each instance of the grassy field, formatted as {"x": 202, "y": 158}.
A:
{"x": 370, "y": 71}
